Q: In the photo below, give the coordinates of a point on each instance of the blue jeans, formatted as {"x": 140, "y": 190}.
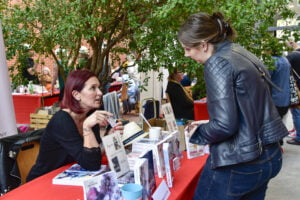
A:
{"x": 296, "y": 118}
{"x": 245, "y": 181}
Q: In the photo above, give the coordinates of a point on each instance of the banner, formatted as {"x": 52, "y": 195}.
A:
{"x": 7, "y": 113}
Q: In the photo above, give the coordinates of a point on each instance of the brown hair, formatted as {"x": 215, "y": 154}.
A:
{"x": 173, "y": 72}
{"x": 201, "y": 27}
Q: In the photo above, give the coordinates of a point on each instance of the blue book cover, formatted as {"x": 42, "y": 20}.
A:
{"x": 152, "y": 183}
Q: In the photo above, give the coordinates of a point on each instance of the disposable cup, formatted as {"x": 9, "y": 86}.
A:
{"x": 132, "y": 191}
{"x": 155, "y": 132}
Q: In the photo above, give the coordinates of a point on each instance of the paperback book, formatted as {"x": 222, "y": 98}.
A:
{"x": 141, "y": 175}
{"x": 168, "y": 159}
{"x": 192, "y": 150}
{"x": 157, "y": 150}
{"x": 104, "y": 186}
{"x": 75, "y": 175}
{"x": 135, "y": 160}
{"x": 116, "y": 153}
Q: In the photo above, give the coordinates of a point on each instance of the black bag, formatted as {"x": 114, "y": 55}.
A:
{"x": 294, "y": 90}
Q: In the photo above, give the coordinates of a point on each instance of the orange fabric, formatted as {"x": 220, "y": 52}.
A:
{"x": 185, "y": 182}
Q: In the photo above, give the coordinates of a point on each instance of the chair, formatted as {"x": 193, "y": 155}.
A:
{"x": 15, "y": 152}
{"x": 26, "y": 158}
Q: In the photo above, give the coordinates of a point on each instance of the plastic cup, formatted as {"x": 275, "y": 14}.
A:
{"x": 132, "y": 191}
{"x": 155, "y": 132}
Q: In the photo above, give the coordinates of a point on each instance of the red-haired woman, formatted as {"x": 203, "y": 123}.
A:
{"x": 73, "y": 133}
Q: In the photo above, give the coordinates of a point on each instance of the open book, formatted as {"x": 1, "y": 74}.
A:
{"x": 75, "y": 175}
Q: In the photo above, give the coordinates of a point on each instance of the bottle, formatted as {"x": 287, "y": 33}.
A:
{"x": 30, "y": 88}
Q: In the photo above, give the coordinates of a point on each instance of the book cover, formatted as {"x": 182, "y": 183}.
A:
{"x": 156, "y": 146}
{"x": 168, "y": 159}
{"x": 169, "y": 116}
{"x": 152, "y": 182}
{"x": 104, "y": 186}
{"x": 147, "y": 154}
{"x": 192, "y": 150}
{"x": 75, "y": 175}
{"x": 157, "y": 150}
{"x": 126, "y": 178}
{"x": 141, "y": 175}
{"x": 116, "y": 153}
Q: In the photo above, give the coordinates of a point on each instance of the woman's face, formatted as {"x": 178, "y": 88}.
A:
{"x": 90, "y": 95}
{"x": 178, "y": 76}
{"x": 199, "y": 54}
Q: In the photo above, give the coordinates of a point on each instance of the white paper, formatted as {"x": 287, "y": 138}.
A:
{"x": 162, "y": 192}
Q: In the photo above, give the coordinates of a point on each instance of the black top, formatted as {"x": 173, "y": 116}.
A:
{"x": 294, "y": 59}
{"x": 29, "y": 63}
{"x": 62, "y": 144}
{"x": 183, "y": 107}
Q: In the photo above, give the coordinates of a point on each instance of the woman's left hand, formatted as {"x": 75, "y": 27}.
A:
{"x": 118, "y": 127}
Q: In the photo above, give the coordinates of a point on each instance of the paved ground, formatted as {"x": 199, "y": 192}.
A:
{"x": 285, "y": 185}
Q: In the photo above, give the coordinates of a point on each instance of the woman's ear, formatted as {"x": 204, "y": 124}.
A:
{"x": 76, "y": 95}
{"x": 205, "y": 46}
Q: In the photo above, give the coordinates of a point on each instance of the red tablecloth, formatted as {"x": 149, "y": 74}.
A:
{"x": 26, "y": 104}
{"x": 200, "y": 110}
{"x": 185, "y": 182}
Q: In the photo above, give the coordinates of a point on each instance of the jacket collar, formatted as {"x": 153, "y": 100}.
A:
{"x": 221, "y": 45}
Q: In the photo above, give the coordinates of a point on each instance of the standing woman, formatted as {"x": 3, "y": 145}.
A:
{"x": 73, "y": 133}
{"x": 244, "y": 126}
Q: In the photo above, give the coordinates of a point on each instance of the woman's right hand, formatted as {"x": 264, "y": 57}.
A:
{"x": 98, "y": 117}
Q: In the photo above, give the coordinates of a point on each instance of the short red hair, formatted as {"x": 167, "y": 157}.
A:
{"x": 75, "y": 81}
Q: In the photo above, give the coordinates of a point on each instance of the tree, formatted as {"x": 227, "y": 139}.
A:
{"x": 146, "y": 27}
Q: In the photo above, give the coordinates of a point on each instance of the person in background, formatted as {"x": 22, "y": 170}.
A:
{"x": 181, "y": 101}
{"x": 186, "y": 81}
{"x": 57, "y": 73}
{"x": 294, "y": 59}
{"x": 244, "y": 127}
{"x": 73, "y": 133}
{"x": 29, "y": 71}
{"x": 46, "y": 78}
{"x": 280, "y": 77}
{"x": 83, "y": 58}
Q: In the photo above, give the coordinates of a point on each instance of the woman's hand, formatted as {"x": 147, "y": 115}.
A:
{"x": 190, "y": 128}
{"x": 98, "y": 117}
{"x": 118, "y": 127}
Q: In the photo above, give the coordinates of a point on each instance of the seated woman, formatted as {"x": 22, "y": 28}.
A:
{"x": 73, "y": 133}
{"x": 45, "y": 78}
{"x": 182, "y": 103}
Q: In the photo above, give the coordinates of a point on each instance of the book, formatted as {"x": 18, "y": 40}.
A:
{"x": 116, "y": 153}
{"x": 141, "y": 175}
{"x": 192, "y": 150}
{"x": 104, "y": 186}
{"x": 152, "y": 182}
{"x": 75, "y": 175}
{"x": 133, "y": 158}
{"x": 169, "y": 116}
{"x": 168, "y": 159}
{"x": 157, "y": 149}
{"x": 126, "y": 178}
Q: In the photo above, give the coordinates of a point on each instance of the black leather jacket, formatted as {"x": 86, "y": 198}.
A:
{"x": 243, "y": 118}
